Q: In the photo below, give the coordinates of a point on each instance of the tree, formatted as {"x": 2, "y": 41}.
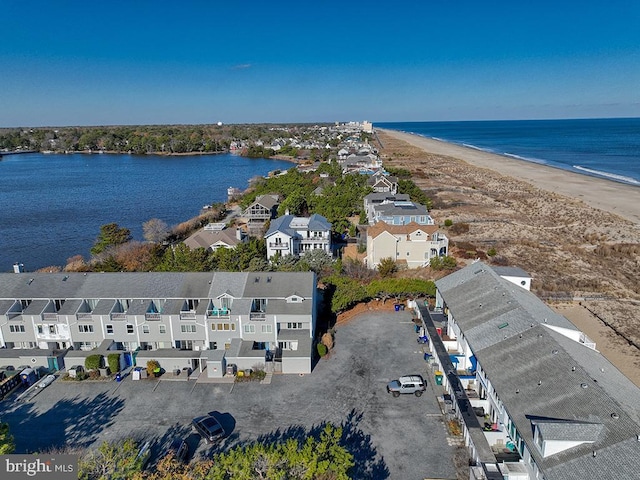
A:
{"x": 155, "y": 230}
{"x": 318, "y": 260}
{"x": 313, "y": 459}
{"x": 443, "y": 263}
{"x": 111, "y": 461}
{"x": 110, "y": 234}
{"x": 6, "y": 440}
{"x": 387, "y": 267}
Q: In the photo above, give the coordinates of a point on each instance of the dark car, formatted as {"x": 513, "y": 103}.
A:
{"x": 209, "y": 428}
{"x": 179, "y": 449}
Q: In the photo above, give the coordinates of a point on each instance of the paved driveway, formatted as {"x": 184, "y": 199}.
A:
{"x": 395, "y": 438}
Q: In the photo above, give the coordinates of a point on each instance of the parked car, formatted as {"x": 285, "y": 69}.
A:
{"x": 407, "y": 384}
{"x": 209, "y": 428}
{"x": 179, "y": 449}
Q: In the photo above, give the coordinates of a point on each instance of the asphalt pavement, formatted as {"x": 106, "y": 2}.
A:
{"x": 394, "y": 438}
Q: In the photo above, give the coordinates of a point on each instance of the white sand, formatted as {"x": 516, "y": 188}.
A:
{"x": 607, "y": 195}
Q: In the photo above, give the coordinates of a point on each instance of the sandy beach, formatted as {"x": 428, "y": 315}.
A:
{"x": 613, "y": 197}
{"x": 578, "y": 236}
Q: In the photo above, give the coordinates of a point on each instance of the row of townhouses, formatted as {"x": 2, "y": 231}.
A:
{"x": 184, "y": 320}
{"x": 534, "y": 396}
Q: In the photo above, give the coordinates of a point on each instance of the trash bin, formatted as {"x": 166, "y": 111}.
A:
{"x": 439, "y": 377}
{"x": 397, "y": 307}
{"x": 118, "y": 377}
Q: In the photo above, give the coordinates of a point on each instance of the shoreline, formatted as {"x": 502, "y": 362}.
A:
{"x": 614, "y": 197}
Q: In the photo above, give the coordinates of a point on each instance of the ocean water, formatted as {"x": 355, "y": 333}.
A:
{"x": 52, "y": 206}
{"x": 606, "y": 148}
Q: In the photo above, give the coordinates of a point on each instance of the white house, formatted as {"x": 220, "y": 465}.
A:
{"x": 289, "y": 235}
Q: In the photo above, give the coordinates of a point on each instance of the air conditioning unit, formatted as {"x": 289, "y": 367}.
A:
{"x": 196, "y": 348}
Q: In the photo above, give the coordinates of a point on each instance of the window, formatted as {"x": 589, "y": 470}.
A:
{"x": 162, "y": 328}
{"x": 16, "y": 328}
{"x": 129, "y": 328}
{"x": 223, "y": 326}
{"x": 259, "y": 305}
{"x": 294, "y": 325}
{"x": 145, "y": 328}
{"x": 85, "y": 328}
{"x": 188, "y": 328}
{"x": 109, "y": 329}
{"x": 40, "y": 329}
{"x": 213, "y": 345}
{"x": 249, "y": 329}
{"x": 267, "y": 328}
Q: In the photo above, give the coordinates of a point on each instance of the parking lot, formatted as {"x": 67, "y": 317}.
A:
{"x": 393, "y": 438}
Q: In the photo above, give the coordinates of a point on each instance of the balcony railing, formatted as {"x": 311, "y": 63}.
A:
{"x": 152, "y": 317}
{"x": 218, "y": 313}
{"x": 52, "y": 336}
{"x": 118, "y": 316}
{"x": 50, "y": 317}
{"x": 279, "y": 246}
{"x": 85, "y": 316}
{"x": 257, "y": 316}
{"x": 187, "y": 315}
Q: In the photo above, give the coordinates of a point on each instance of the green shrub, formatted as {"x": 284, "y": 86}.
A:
{"x": 443, "y": 263}
{"x": 492, "y": 252}
{"x": 113, "y": 359}
{"x": 153, "y": 367}
{"x": 93, "y": 362}
{"x": 322, "y": 349}
{"x": 448, "y": 222}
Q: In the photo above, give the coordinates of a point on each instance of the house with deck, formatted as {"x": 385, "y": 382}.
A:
{"x": 290, "y": 235}
{"x": 382, "y": 182}
{"x": 411, "y": 245}
{"x": 247, "y": 319}
{"x": 401, "y": 212}
{"x": 263, "y": 209}
{"x": 535, "y": 399}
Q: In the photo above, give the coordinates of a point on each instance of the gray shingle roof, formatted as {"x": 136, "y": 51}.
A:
{"x": 545, "y": 378}
{"x": 292, "y": 225}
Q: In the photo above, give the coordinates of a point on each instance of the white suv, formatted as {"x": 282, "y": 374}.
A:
{"x": 407, "y": 384}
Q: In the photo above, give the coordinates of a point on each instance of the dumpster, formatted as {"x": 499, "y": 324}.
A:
{"x": 439, "y": 377}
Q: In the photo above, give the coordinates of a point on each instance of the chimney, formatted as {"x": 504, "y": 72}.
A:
{"x": 239, "y": 234}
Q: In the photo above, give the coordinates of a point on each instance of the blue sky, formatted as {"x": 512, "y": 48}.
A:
{"x": 154, "y": 62}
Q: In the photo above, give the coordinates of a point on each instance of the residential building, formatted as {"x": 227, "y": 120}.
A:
{"x": 375, "y": 199}
{"x": 412, "y": 245}
{"x": 263, "y": 209}
{"x": 536, "y": 400}
{"x": 382, "y": 182}
{"x": 214, "y": 236}
{"x": 250, "y": 318}
{"x": 400, "y": 212}
{"x": 290, "y": 235}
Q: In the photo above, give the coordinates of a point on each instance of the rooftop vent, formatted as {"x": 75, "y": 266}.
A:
{"x": 555, "y": 352}
{"x": 573, "y": 369}
{"x": 584, "y": 385}
{"x": 615, "y": 416}
{"x": 30, "y": 281}
{"x": 502, "y": 325}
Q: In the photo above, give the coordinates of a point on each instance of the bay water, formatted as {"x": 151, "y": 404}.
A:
{"x": 52, "y": 205}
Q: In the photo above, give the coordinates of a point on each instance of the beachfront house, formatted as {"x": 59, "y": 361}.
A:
{"x": 382, "y": 182}
{"x": 290, "y": 235}
{"x": 247, "y": 319}
{"x": 377, "y": 198}
{"x": 533, "y": 396}
{"x": 410, "y": 245}
{"x": 263, "y": 209}
{"x": 400, "y": 212}
{"x": 214, "y": 236}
